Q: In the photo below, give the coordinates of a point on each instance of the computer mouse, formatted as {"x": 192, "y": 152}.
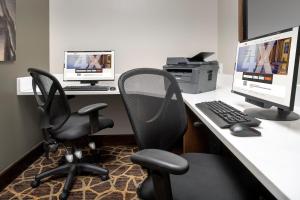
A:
{"x": 242, "y": 130}
{"x": 112, "y": 88}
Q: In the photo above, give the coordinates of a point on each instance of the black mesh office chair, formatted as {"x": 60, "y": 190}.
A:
{"x": 157, "y": 114}
{"x": 59, "y": 125}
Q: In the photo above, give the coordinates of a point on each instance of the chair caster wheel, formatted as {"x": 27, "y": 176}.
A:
{"x": 104, "y": 177}
{"x": 35, "y": 183}
{"x": 63, "y": 196}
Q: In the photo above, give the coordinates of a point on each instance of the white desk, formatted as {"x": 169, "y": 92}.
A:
{"x": 24, "y": 86}
{"x": 274, "y": 158}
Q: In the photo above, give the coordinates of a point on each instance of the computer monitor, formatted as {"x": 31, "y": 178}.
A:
{"x": 89, "y": 66}
{"x": 266, "y": 72}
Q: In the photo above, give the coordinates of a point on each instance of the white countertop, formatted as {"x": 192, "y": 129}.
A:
{"x": 274, "y": 158}
{"x": 24, "y": 86}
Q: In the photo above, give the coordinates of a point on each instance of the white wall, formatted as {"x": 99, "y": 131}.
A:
{"x": 142, "y": 32}
{"x": 227, "y": 33}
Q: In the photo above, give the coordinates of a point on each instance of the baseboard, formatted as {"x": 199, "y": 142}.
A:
{"x": 14, "y": 170}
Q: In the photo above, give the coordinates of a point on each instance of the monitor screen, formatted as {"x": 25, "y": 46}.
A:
{"x": 266, "y": 66}
{"x": 89, "y": 65}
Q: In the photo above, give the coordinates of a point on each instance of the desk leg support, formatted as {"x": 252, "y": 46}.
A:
{"x": 195, "y": 138}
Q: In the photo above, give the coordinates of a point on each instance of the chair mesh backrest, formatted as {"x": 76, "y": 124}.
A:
{"x": 155, "y": 107}
{"x": 52, "y": 101}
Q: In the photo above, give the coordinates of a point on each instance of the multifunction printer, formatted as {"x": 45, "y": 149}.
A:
{"x": 194, "y": 75}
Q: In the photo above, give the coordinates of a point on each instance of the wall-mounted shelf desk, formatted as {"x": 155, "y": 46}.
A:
{"x": 273, "y": 158}
{"x": 24, "y": 86}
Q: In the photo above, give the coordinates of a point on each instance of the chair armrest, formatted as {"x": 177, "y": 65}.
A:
{"x": 91, "y": 108}
{"x": 160, "y": 160}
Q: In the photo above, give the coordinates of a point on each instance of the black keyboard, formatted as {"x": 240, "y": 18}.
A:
{"x": 225, "y": 115}
{"x": 86, "y": 88}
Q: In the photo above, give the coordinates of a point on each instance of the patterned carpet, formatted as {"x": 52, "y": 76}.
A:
{"x": 124, "y": 179}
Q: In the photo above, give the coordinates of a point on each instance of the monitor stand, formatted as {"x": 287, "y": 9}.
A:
{"x": 93, "y": 83}
{"x": 272, "y": 114}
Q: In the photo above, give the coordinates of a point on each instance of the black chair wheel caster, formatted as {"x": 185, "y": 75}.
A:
{"x": 104, "y": 177}
{"x": 35, "y": 183}
{"x": 63, "y": 196}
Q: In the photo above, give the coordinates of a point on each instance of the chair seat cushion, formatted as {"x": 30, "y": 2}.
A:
{"x": 209, "y": 177}
{"x": 78, "y": 126}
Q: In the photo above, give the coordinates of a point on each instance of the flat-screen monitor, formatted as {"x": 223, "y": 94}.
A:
{"x": 89, "y": 66}
{"x": 266, "y": 73}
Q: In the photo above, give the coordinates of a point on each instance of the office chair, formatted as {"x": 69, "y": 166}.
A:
{"x": 60, "y": 126}
{"x": 157, "y": 114}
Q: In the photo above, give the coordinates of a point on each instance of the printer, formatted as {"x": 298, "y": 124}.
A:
{"x": 194, "y": 75}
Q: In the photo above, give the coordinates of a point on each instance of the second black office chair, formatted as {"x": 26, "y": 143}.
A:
{"x": 59, "y": 125}
{"x": 157, "y": 114}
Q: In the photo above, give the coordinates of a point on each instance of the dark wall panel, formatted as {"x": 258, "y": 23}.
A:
{"x": 266, "y": 16}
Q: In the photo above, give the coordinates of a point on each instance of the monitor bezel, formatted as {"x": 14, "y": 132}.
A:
{"x": 295, "y": 75}
{"x": 92, "y": 78}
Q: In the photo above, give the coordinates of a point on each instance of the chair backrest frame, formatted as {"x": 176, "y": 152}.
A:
{"x": 171, "y": 103}
{"x": 46, "y": 99}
